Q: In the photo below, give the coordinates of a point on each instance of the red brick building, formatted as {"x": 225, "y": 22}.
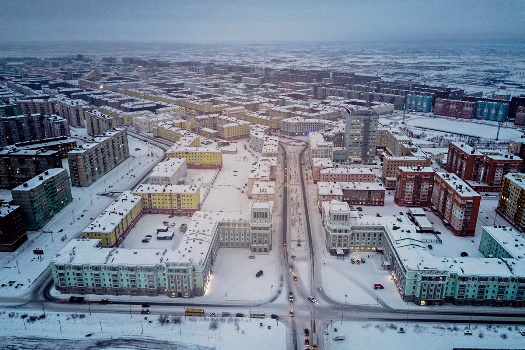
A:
{"x": 414, "y": 186}
{"x": 456, "y": 203}
{"x": 464, "y": 161}
{"x": 454, "y": 108}
{"x": 520, "y": 116}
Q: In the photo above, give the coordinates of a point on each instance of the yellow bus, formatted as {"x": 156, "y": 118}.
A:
{"x": 194, "y": 312}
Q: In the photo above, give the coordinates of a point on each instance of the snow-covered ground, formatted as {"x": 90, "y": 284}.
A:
{"x": 382, "y": 335}
{"x": 120, "y": 331}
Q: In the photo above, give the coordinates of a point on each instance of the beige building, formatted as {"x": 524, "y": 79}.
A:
{"x": 391, "y": 165}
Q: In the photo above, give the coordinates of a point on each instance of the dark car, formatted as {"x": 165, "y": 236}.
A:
{"x": 104, "y": 301}
{"x": 239, "y": 314}
{"x": 259, "y": 274}
{"x": 306, "y": 332}
{"x": 73, "y": 299}
{"x": 145, "y": 305}
{"x": 307, "y": 343}
{"x": 274, "y": 316}
{"x": 144, "y": 311}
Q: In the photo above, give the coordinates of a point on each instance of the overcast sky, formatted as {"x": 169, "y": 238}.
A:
{"x": 205, "y": 21}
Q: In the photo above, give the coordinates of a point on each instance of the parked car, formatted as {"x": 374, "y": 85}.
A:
{"x": 274, "y": 316}
{"x": 73, "y": 299}
{"x": 291, "y": 313}
{"x": 251, "y": 257}
{"x": 319, "y": 289}
{"x": 358, "y": 261}
{"x": 363, "y": 260}
{"x": 239, "y": 314}
{"x": 294, "y": 257}
{"x": 259, "y": 274}
{"x": 104, "y": 301}
{"x": 144, "y": 311}
{"x": 378, "y": 286}
{"x": 225, "y": 314}
{"x": 352, "y": 261}
{"x": 145, "y": 305}
{"x": 306, "y": 332}
{"x": 213, "y": 314}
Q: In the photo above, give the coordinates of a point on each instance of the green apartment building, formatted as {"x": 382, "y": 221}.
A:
{"x": 43, "y": 196}
{"x": 425, "y": 279}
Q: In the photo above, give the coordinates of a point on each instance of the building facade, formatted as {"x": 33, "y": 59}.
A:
{"x": 12, "y": 227}
{"x": 414, "y": 186}
{"x": 18, "y": 166}
{"x": 31, "y": 127}
{"x": 455, "y": 203}
{"x": 391, "y": 167}
{"x": 511, "y": 204}
{"x": 43, "y": 196}
{"x": 90, "y": 161}
{"x": 360, "y": 136}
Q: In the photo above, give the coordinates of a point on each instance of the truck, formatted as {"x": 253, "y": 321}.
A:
{"x": 314, "y": 341}
{"x": 290, "y": 296}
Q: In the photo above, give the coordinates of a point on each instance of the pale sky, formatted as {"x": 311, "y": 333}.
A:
{"x": 206, "y": 21}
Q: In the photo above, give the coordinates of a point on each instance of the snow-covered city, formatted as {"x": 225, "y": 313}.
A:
{"x": 281, "y": 194}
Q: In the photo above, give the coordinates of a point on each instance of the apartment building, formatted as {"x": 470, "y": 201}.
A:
{"x": 98, "y": 123}
{"x": 353, "y": 193}
{"x": 43, "y": 196}
{"x": 31, "y": 127}
{"x": 198, "y": 157}
{"x": 12, "y": 227}
{"x": 456, "y": 203}
{"x": 454, "y": 108}
{"x": 394, "y": 143}
{"x": 457, "y": 280}
{"x": 18, "y": 166}
{"x": 319, "y": 164}
{"x": 299, "y": 126}
{"x": 511, "y": 201}
{"x": 318, "y": 147}
{"x": 36, "y": 106}
{"x": 84, "y": 267}
{"x": 169, "y": 199}
{"x": 414, "y": 186}
{"x": 419, "y": 103}
{"x": 74, "y": 111}
{"x": 90, "y": 161}
{"x": 483, "y": 168}
{"x": 392, "y": 164}
{"x": 263, "y": 143}
{"x": 361, "y": 133}
{"x": 341, "y": 174}
{"x": 236, "y": 130}
{"x": 115, "y": 222}
{"x": 488, "y": 110}
{"x": 62, "y": 144}
{"x": 171, "y": 171}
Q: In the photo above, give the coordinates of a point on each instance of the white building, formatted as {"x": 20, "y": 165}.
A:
{"x": 171, "y": 171}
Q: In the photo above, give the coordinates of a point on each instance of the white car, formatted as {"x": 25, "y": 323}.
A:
{"x": 312, "y": 299}
{"x": 213, "y": 314}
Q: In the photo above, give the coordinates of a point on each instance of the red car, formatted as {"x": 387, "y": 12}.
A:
{"x": 378, "y": 286}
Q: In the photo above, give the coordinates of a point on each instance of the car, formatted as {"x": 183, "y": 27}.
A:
{"x": 145, "y": 305}
{"x": 319, "y": 289}
{"x": 363, "y": 260}
{"x": 73, "y": 299}
{"x": 359, "y": 209}
{"x": 137, "y": 149}
{"x": 295, "y": 278}
{"x": 104, "y": 301}
{"x": 378, "y": 286}
{"x": 307, "y": 343}
{"x": 400, "y": 213}
{"x": 251, "y": 257}
{"x": 291, "y": 313}
{"x": 306, "y": 332}
{"x": 144, "y": 311}
{"x": 225, "y": 314}
{"x": 61, "y": 230}
{"x": 213, "y": 314}
{"x": 145, "y": 240}
{"x": 149, "y": 236}
{"x": 239, "y": 314}
{"x": 358, "y": 261}
{"x": 352, "y": 261}
{"x": 274, "y": 316}
{"x": 312, "y": 299}
{"x": 294, "y": 257}
{"x": 89, "y": 335}
{"x": 467, "y": 332}
{"x": 259, "y": 274}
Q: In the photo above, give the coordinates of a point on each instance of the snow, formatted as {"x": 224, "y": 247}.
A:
{"x": 120, "y": 331}
{"x": 382, "y": 335}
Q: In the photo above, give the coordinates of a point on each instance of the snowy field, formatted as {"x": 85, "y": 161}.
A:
{"x": 117, "y": 331}
{"x": 382, "y": 335}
